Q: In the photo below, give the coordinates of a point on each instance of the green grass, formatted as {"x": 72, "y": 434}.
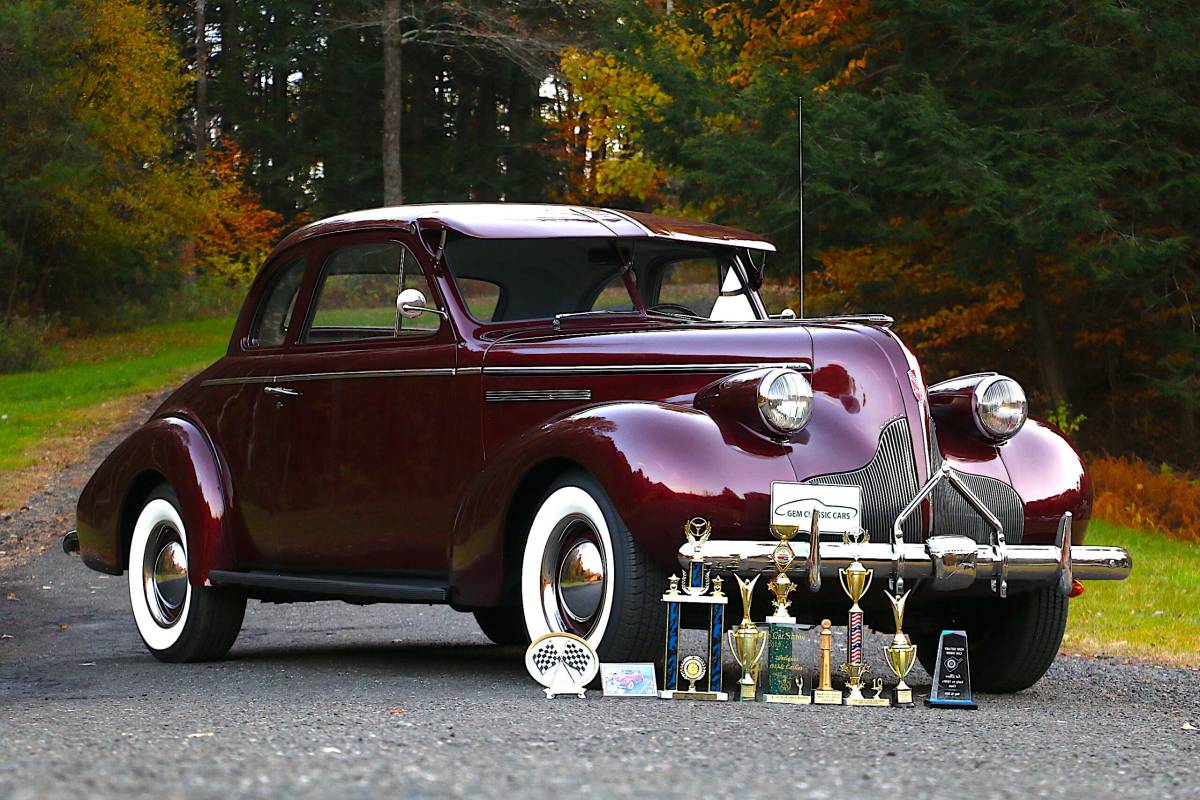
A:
{"x": 47, "y": 414}
{"x": 1154, "y": 614}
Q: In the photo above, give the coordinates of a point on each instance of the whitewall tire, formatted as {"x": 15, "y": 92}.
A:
{"x": 177, "y": 621}
{"x": 582, "y": 573}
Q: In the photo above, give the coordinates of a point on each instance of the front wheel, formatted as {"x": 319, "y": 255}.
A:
{"x": 1011, "y": 643}
{"x": 583, "y": 573}
{"x": 177, "y": 622}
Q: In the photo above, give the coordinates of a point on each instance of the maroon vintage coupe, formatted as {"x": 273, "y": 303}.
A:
{"x": 514, "y": 409}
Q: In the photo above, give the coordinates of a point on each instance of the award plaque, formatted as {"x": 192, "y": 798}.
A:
{"x": 952, "y": 675}
{"x": 701, "y": 589}
{"x": 784, "y": 641}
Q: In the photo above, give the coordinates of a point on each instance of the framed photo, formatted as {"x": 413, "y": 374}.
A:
{"x": 628, "y": 680}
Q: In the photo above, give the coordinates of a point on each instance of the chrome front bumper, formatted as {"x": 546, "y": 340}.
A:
{"x": 946, "y": 562}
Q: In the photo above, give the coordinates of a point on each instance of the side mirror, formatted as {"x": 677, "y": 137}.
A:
{"x": 787, "y": 313}
{"x": 411, "y": 304}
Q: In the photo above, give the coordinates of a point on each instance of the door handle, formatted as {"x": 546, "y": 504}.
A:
{"x": 282, "y": 391}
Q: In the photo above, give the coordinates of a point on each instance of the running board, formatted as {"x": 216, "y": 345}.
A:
{"x": 402, "y": 590}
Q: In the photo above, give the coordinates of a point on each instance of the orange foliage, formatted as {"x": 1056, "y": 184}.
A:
{"x": 792, "y": 35}
{"x": 236, "y": 232}
{"x": 1131, "y": 493}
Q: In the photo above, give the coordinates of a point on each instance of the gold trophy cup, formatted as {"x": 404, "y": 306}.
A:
{"x": 747, "y": 641}
{"x": 901, "y": 654}
{"x": 781, "y": 585}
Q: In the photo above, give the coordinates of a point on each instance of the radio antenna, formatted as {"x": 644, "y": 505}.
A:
{"x": 800, "y": 170}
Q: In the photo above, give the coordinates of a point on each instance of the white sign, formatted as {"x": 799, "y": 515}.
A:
{"x": 839, "y": 508}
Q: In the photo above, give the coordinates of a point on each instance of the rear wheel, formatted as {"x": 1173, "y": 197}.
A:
{"x": 177, "y": 622}
{"x": 583, "y": 573}
{"x": 1011, "y": 643}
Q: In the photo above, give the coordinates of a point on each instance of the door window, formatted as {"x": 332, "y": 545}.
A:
{"x": 356, "y": 296}
{"x": 709, "y": 287}
{"x": 274, "y": 314}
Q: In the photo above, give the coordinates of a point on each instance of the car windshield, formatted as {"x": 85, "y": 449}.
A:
{"x": 504, "y": 280}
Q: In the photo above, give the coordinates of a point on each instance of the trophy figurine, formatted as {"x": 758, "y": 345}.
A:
{"x": 698, "y": 588}
{"x": 825, "y": 694}
{"x": 748, "y": 642}
{"x": 856, "y": 580}
{"x": 901, "y": 654}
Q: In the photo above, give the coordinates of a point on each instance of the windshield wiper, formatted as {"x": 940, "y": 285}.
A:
{"x": 679, "y": 317}
{"x": 629, "y": 312}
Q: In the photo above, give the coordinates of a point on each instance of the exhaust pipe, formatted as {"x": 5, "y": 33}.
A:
{"x": 70, "y": 543}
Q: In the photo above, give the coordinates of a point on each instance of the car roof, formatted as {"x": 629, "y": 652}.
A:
{"x": 530, "y": 221}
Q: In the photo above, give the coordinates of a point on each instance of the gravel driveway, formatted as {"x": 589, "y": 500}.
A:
{"x": 330, "y": 700}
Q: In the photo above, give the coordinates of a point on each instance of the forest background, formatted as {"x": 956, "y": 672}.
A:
{"x": 1015, "y": 181}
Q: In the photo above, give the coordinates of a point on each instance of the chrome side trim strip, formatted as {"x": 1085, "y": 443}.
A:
{"x": 625, "y": 369}
{"x": 518, "y": 395}
{"x": 599, "y": 369}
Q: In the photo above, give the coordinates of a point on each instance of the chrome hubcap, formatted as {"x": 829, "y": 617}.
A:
{"x": 164, "y": 575}
{"x": 581, "y": 580}
{"x": 573, "y": 577}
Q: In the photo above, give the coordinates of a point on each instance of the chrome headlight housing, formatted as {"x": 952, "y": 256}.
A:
{"x": 1000, "y": 407}
{"x": 785, "y": 400}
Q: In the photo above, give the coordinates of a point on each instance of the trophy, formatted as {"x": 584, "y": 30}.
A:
{"x": 901, "y": 654}
{"x": 825, "y": 694}
{"x": 747, "y": 642}
{"x": 701, "y": 589}
{"x": 856, "y": 580}
{"x": 781, "y": 585}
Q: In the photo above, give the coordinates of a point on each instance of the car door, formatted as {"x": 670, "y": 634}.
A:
{"x": 368, "y": 420}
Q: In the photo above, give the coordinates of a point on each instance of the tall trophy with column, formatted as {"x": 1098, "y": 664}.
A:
{"x": 699, "y": 588}
{"x": 856, "y": 580}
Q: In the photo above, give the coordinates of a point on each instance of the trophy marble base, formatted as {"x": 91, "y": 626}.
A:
{"x": 791, "y": 699}
{"x": 827, "y": 697}
{"x": 869, "y": 702}
{"x": 902, "y": 698}
{"x": 747, "y": 694}
{"x": 683, "y": 694}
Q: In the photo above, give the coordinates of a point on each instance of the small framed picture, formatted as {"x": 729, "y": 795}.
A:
{"x": 628, "y": 680}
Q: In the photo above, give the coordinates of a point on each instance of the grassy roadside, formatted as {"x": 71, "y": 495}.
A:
{"x": 1154, "y": 614}
{"x": 48, "y": 418}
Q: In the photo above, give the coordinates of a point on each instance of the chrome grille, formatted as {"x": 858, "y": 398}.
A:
{"x": 889, "y": 481}
{"x": 953, "y": 515}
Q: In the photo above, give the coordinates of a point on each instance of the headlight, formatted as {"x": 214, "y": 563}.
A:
{"x": 1000, "y": 407}
{"x": 785, "y": 400}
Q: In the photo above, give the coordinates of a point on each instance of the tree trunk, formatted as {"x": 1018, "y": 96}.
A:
{"x": 1044, "y": 337}
{"x": 200, "y": 131}
{"x": 393, "y": 103}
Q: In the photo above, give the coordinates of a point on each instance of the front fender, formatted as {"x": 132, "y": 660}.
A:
{"x": 172, "y": 449}
{"x": 1049, "y": 474}
{"x": 660, "y": 464}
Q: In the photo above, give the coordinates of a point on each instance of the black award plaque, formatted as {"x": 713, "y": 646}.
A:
{"x": 952, "y": 675}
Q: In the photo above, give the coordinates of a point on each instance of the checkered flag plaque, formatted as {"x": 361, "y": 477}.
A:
{"x": 575, "y": 657}
{"x": 546, "y": 657}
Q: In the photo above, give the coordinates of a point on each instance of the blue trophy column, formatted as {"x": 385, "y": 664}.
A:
{"x": 716, "y": 629}
{"x": 671, "y": 656}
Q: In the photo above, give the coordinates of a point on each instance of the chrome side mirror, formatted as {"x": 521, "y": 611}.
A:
{"x": 787, "y": 313}
{"x": 411, "y": 303}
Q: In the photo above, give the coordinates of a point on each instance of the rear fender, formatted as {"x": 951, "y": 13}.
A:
{"x": 660, "y": 464}
{"x": 170, "y": 449}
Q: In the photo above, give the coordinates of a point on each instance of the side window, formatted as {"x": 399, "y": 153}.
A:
{"x": 356, "y": 295}
{"x": 274, "y": 314}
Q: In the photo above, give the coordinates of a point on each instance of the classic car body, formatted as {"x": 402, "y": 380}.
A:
{"x": 326, "y": 458}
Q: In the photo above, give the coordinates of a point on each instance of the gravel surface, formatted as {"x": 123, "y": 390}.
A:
{"x": 326, "y": 700}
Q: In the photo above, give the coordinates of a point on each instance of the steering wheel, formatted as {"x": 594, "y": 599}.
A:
{"x": 669, "y": 307}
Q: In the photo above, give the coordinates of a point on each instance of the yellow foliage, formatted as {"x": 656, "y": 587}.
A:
{"x": 1130, "y": 492}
